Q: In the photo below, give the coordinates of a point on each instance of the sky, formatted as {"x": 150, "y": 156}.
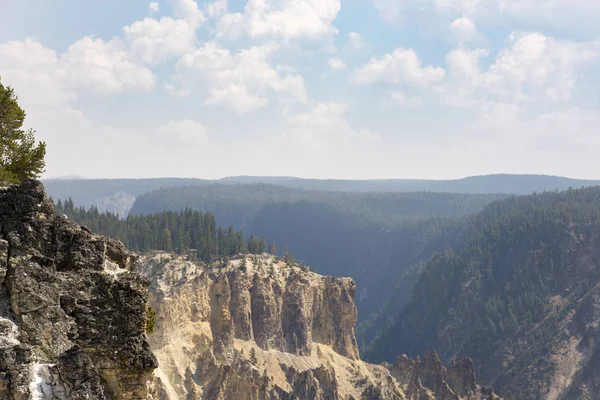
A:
{"x": 351, "y": 89}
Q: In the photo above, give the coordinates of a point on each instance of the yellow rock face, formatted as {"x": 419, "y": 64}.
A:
{"x": 260, "y": 329}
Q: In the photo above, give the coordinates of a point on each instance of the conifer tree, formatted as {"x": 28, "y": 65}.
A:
{"x": 20, "y": 157}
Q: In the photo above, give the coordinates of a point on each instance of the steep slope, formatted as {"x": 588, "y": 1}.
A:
{"x": 72, "y": 311}
{"x": 521, "y": 299}
{"x": 371, "y": 237}
{"x": 260, "y": 329}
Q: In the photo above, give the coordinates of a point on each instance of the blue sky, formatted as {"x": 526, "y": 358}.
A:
{"x": 311, "y": 88}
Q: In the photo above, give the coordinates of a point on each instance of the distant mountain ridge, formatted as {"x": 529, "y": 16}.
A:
{"x": 496, "y": 183}
{"x": 118, "y": 195}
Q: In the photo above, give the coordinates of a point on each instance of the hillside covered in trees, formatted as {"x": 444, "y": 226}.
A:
{"x": 512, "y": 283}
{"x": 187, "y": 231}
{"x": 238, "y": 204}
{"x": 520, "y": 298}
{"x": 371, "y": 237}
{"x": 118, "y": 195}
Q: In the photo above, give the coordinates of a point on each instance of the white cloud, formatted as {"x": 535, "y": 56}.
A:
{"x": 532, "y": 67}
{"x": 156, "y": 41}
{"x": 579, "y": 15}
{"x": 36, "y": 73}
{"x": 154, "y": 7}
{"x": 324, "y": 128}
{"x": 465, "y": 31}
{"x": 463, "y": 63}
{"x": 356, "y": 40}
{"x": 216, "y": 8}
{"x": 399, "y": 98}
{"x": 88, "y": 64}
{"x": 538, "y": 65}
{"x": 186, "y": 130}
{"x": 48, "y": 85}
{"x": 336, "y": 64}
{"x": 237, "y": 97}
{"x": 402, "y": 65}
{"x": 525, "y": 98}
{"x": 104, "y": 67}
{"x": 243, "y": 80}
{"x": 189, "y": 11}
{"x": 288, "y": 19}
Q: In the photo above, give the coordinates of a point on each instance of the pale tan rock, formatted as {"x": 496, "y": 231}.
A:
{"x": 261, "y": 329}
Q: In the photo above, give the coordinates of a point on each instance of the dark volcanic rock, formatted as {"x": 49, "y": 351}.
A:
{"x": 72, "y": 313}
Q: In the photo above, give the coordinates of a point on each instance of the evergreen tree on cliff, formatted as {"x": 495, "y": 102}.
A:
{"x": 20, "y": 157}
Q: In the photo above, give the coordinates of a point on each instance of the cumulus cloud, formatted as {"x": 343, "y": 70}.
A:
{"x": 336, "y": 64}
{"x": 104, "y": 67}
{"x": 158, "y": 40}
{"x": 186, "y": 130}
{"x": 287, "y": 19}
{"x": 526, "y": 95}
{"x": 402, "y": 65}
{"x": 465, "y": 64}
{"x": 189, "y": 11}
{"x": 155, "y": 41}
{"x": 217, "y": 8}
{"x": 465, "y": 31}
{"x": 242, "y": 80}
{"x": 531, "y": 68}
{"x": 154, "y": 7}
{"x": 88, "y": 64}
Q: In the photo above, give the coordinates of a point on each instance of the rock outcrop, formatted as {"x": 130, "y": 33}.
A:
{"x": 72, "y": 312}
{"x": 261, "y": 329}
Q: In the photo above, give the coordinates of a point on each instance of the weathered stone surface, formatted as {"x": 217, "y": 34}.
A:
{"x": 429, "y": 379}
{"x": 261, "y": 329}
{"x": 72, "y": 311}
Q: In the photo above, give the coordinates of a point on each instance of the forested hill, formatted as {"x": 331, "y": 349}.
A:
{"x": 118, "y": 195}
{"x": 521, "y": 298}
{"x": 238, "y": 204}
{"x": 371, "y": 237}
{"x": 188, "y": 231}
{"x": 497, "y": 183}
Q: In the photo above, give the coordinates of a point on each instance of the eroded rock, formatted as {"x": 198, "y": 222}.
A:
{"x": 72, "y": 311}
{"x": 261, "y": 329}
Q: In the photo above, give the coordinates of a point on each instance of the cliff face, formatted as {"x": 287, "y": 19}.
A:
{"x": 261, "y": 329}
{"x": 72, "y": 311}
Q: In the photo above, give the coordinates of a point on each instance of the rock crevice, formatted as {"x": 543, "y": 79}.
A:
{"x": 261, "y": 329}
{"x": 72, "y": 310}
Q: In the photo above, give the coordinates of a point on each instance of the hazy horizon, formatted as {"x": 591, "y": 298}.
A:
{"x": 313, "y": 178}
{"x": 377, "y": 89}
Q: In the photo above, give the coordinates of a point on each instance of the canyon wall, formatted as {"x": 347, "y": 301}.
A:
{"x": 72, "y": 312}
{"x": 258, "y": 328}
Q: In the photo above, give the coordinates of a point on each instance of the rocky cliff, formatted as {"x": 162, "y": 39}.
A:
{"x": 72, "y": 312}
{"x": 260, "y": 329}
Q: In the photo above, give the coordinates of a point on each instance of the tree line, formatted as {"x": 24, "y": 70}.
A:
{"x": 496, "y": 293}
{"x": 187, "y": 231}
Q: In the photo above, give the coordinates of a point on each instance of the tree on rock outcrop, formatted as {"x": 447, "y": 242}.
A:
{"x": 253, "y": 358}
{"x": 20, "y": 157}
